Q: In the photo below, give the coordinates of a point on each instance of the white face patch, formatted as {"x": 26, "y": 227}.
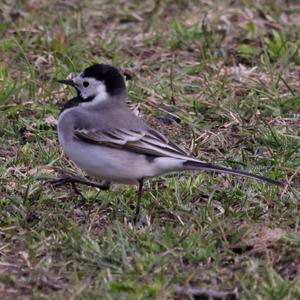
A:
{"x": 91, "y": 87}
{"x": 101, "y": 95}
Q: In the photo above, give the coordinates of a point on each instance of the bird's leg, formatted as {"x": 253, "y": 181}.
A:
{"x": 103, "y": 186}
{"x": 77, "y": 191}
{"x": 74, "y": 179}
{"x": 138, "y": 206}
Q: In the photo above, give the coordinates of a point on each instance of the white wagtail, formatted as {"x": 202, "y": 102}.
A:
{"x": 107, "y": 140}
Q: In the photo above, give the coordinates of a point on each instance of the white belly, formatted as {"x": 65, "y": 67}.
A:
{"x": 118, "y": 165}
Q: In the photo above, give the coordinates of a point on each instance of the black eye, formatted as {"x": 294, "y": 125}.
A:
{"x": 85, "y": 84}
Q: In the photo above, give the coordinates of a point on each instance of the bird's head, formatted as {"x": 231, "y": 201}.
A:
{"x": 97, "y": 83}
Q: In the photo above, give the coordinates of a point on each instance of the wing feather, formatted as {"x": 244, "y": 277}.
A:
{"x": 146, "y": 142}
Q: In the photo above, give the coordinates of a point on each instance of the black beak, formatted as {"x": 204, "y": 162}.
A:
{"x": 68, "y": 82}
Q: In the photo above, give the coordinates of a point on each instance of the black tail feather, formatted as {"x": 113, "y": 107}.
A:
{"x": 197, "y": 165}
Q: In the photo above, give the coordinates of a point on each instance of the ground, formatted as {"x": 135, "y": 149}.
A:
{"x": 221, "y": 78}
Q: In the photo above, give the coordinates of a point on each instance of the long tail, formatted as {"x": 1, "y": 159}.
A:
{"x": 197, "y": 165}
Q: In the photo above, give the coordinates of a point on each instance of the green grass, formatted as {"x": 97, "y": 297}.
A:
{"x": 230, "y": 73}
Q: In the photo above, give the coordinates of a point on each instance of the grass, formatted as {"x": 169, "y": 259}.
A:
{"x": 230, "y": 74}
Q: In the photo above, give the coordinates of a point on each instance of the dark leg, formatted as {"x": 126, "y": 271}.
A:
{"x": 77, "y": 191}
{"x": 138, "y": 206}
{"x": 74, "y": 179}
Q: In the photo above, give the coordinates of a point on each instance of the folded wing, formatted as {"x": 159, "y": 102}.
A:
{"x": 148, "y": 142}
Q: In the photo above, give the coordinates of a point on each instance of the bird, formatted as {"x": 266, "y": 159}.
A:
{"x": 107, "y": 140}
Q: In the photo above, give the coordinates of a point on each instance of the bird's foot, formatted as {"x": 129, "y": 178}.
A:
{"x": 73, "y": 180}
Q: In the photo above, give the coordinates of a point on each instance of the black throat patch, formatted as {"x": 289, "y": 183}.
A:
{"x": 75, "y": 102}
